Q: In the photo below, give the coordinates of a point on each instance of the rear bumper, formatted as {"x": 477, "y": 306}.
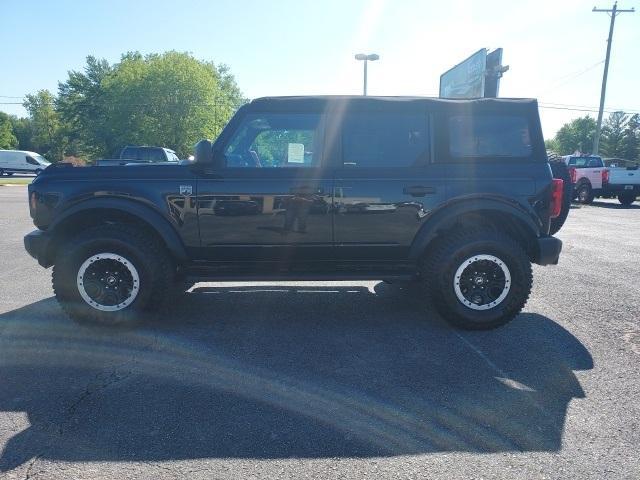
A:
{"x": 617, "y": 189}
{"x": 36, "y": 244}
{"x": 548, "y": 251}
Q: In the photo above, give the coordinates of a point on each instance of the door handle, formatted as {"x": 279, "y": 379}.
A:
{"x": 419, "y": 191}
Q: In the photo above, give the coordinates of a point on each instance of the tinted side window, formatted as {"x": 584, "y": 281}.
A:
{"x": 274, "y": 141}
{"x": 489, "y": 136}
{"x": 156, "y": 155}
{"x": 32, "y": 161}
{"x": 385, "y": 140}
{"x": 129, "y": 153}
{"x": 143, "y": 154}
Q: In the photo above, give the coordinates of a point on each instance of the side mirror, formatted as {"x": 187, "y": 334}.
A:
{"x": 203, "y": 152}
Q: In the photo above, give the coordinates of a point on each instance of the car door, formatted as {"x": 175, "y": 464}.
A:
{"x": 271, "y": 199}
{"x": 385, "y": 184}
{"x": 31, "y": 164}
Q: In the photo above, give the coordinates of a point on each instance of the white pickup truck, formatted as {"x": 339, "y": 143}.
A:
{"x": 623, "y": 183}
{"x": 588, "y": 174}
{"x": 591, "y": 178}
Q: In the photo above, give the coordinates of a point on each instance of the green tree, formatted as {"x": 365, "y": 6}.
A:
{"x": 23, "y": 132}
{"x": 551, "y": 144}
{"x": 83, "y": 110}
{"x": 614, "y": 130}
{"x": 7, "y": 139}
{"x": 45, "y": 124}
{"x": 631, "y": 139}
{"x": 576, "y": 135}
{"x": 169, "y": 99}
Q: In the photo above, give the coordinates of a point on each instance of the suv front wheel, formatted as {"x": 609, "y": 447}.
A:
{"x": 478, "y": 279}
{"x": 109, "y": 274}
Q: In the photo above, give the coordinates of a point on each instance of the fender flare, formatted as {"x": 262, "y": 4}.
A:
{"x": 145, "y": 213}
{"x": 446, "y": 216}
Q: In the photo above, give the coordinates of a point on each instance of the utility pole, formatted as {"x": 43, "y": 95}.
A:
{"x": 366, "y": 58}
{"x": 612, "y": 13}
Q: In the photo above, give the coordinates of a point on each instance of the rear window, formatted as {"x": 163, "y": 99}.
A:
{"x": 586, "y": 162}
{"x": 385, "y": 140}
{"x": 489, "y": 136}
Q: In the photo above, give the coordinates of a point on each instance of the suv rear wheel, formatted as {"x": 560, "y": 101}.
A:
{"x": 110, "y": 273}
{"x": 478, "y": 279}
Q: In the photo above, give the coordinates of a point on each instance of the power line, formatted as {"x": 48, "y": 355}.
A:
{"x": 588, "y": 110}
{"x": 562, "y": 81}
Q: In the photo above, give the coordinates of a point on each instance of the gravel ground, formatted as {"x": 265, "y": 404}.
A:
{"x": 329, "y": 379}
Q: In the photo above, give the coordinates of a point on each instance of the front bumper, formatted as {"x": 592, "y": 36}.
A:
{"x": 548, "y": 251}
{"x": 36, "y": 244}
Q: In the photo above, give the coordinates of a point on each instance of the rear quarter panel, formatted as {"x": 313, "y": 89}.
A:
{"x": 523, "y": 180}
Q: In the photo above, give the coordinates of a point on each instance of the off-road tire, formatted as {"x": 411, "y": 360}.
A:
{"x": 440, "y": 266}
{"x": 143, "y": 250}
{"x": 626, "y": 199}
{"x": 560, "y": 170}
{"x": 584, "y": 194}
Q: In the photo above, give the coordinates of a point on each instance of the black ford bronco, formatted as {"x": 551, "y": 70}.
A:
{"x": 455, "y": 196}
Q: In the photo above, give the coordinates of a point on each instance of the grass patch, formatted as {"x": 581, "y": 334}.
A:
{"x": 15, "y": 181}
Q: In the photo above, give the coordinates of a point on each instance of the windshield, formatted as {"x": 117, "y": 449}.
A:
{"x": 41, "y": 160}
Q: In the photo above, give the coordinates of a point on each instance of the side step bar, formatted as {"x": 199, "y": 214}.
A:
{"x": 296, "y": 277}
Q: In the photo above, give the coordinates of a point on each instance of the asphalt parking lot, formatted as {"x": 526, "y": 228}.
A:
{"x": 329, "y": 380}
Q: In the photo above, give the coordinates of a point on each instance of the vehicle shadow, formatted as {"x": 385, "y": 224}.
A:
{"x": 282, "y": 372}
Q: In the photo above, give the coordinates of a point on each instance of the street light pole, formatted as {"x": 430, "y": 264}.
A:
{"x": 612, "y": 12}
{"x": 365, "y": 78}
{"x": 365, "y": 59}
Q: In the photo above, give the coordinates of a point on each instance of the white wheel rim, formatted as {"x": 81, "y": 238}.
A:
{"x": 468, "y": 263}
{"x": 122, "y": 261}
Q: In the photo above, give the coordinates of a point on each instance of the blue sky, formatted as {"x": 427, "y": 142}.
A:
{"x": 290, "y": 47}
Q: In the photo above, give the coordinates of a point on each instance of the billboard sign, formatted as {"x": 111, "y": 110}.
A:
{"x": 494, "y": 73}
{"x": 467, "y": 79}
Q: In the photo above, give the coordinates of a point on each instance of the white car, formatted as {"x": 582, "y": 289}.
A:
{"x": 20, "y": 161}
